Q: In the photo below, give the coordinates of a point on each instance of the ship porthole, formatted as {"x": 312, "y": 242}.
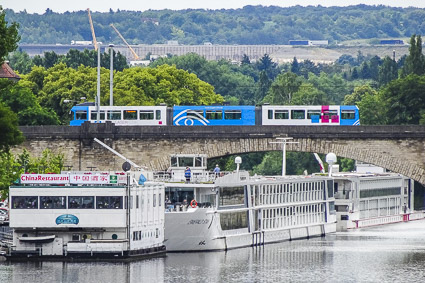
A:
{"x": 114, "y": 236}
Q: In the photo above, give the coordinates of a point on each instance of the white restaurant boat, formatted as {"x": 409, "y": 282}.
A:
{"x": 86, "y": 215}
{"x": 236, "y": 210}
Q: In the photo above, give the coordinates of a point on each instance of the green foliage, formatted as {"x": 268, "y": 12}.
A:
{"x": 10, "y": 134}
{"x": 404, "y": 100}
{"x": 248, "y": 25}
{"x": 20, "y": 62}
{"x": 283, "y": 89}
{"x": 8, "y": 36}
{"x": 227, "y": 80}
{"x": 23, "y": 102}
{"x": 415, "y": 61}
{"x": 11, "y": 167}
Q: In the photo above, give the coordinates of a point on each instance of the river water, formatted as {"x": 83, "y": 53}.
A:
{"x": 391, "y": 253}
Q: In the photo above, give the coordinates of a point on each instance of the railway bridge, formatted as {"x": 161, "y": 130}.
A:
{"x": 397, "y": 148}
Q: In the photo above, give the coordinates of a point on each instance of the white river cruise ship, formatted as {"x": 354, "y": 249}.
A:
{"x": 237, "y": 210}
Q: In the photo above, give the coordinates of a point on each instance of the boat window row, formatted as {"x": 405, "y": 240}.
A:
{"x": 290, "y": 192}
{"x": 275, "y": 218}
{"x": 380, "y": 192}
{"x": 385, "y": 206}
{"x": 197, "y": 161}
{"x": 217, "y": 114}
{"x": 120, "y": 115}
{"x": 139, "y": 235}
{"x": 64, "y": 202}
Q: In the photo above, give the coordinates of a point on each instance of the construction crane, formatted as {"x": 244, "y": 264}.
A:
{"x": 128, "y": 45}
{"x": 92, "y": 30}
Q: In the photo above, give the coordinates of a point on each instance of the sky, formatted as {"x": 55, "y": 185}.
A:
{"x": 60, "y": 6}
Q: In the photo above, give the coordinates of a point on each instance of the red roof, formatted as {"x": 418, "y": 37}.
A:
{"x": 6, "y": 72}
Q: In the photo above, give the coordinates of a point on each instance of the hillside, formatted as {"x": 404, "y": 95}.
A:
{"x": 249, "y": 25}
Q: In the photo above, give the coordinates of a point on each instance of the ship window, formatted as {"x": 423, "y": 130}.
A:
{"x": 23, "y": 202}
{"x": 146, "y": 115}
{"x": 332, "y": 207}
{"x": 232, "y": 196}
{"x": 281, "y": 114}
{"x": 80, "y": 115}
{"x": 137, "y": 201}
{"x": 330, "y": 189}
{"x": 158, "y": 114}
{"x": 75, "y": 237}
{"x": 154, "y": 200}
{"x": 185, "y": 161}
{"x": 130, "y": 114}
{"x": 114, "y": 115}
{"x": 214, "y": 114}
{"x": 174, "y": 161}
{"x": 114, "y": 236}
{"x": 93, "y": 115}
{"x": 108, "y": 202}
{"x": 233, "y": 115}
{"x": 380, "y": 192}
{"x": 52, "y": 202}
{"x": 80, "y": 202}
{"x": 297, "y": 114}
{"x": 348, "y": 114}
{"x": 198, "y": 161}
{"x": 235, "y": 220}
{"x": 159, "y": 199}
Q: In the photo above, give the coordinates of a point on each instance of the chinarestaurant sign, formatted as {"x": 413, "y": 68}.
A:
{"x": 61, "y": 179}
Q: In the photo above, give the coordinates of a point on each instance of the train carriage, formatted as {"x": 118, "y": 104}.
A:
{"x": 120, "y": 115}
{"x": 213, "y": 115}
{"x": 311, "y": 115}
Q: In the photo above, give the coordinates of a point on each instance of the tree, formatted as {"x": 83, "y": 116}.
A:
{"x": 404, "y": 100}
{"x": 295, "y": 67}
{"x": 9, "y": 128}
{"x": 20, "y": 61}
{"x": 415, "y": 61}
{"x": 388, "y": 71}
{"x": 9, "y": 37}
{"x": 283, "y": 88}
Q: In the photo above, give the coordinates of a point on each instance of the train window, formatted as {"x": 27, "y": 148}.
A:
{"x": 214, "y": 114}
{"x": 146, "y": 115}
{"x": 195, "y": 113}
{"x": 297, "y": 114}
{"x": 331, "y": 113}
{"x": 130, "y": 114}
{"x": 114, "y": 115}
{"x": 313, "y": 113}
{"x": 270, "y": 114}
{"x": 93, "y": 115}
{"x": 281, "y": 114}
{"x": 158, "y": 114}
{"x": 348, "y": 114}
{"x": 80, "y": 115}
{"x": 233, "y": 115}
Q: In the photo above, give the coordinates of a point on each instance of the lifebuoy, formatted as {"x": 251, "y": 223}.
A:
{"x": 193, "y": 203}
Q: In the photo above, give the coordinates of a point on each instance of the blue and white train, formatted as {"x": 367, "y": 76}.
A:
{"x": 222, "y": 115}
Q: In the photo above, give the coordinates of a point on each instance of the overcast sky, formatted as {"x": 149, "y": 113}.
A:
{"x": 39, "y": 6}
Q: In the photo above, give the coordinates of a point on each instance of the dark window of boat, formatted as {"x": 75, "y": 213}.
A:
{"x": 232, "y": 196}
{"x": 185, "y": 161}
{"x": 108, "y": 202}
{"x": 332, "y": 207}
{"x": 154, "y": 200}
{"x": 233, "y": 220}
{"x": 137, "y": 201}
{"x": 80, "y": 202}
{"x": 25, "y": 202}
{"x": 52, "y": 202}
{"x": 380, "y": 192}
{"x": 330, "y": 189}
